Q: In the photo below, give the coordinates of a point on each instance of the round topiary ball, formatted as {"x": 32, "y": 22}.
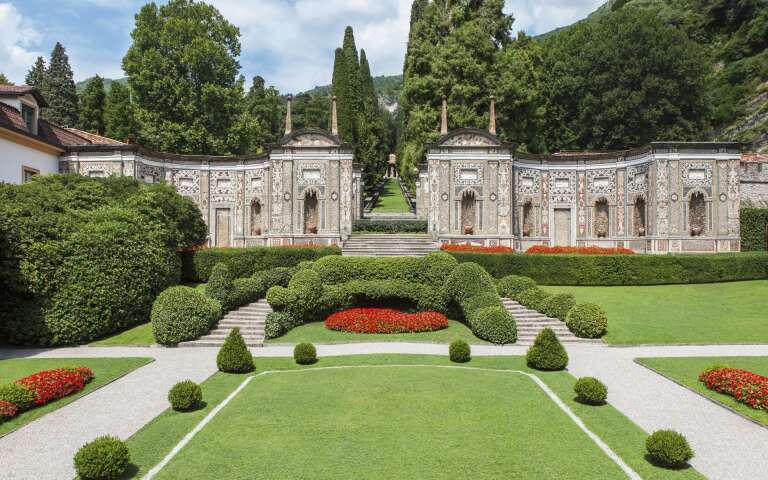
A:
{"x": 590, "y": 390}
{"x": 668, "y": 448}
{"x": 105, "y": 458}
{"x": 305, "y": 354}
{"x": 185, "y": 396}
{"x": 587, "y": 320}
{"x": 459, "y": 351}
{"x": 512, "y": 286}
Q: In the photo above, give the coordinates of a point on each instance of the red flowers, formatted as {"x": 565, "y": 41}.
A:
{"x": 50, "y": 385}
{"x": 8, "y": 409}
{"x": 467, "y": 247}
{"x": 542, "y": 249}
{"x": 385, "y": 320}
{"x": 746, "y": 387}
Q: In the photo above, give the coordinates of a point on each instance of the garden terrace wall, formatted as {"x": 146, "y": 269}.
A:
{"x": 623, "y": 269}
{"x": 244, "y": 262}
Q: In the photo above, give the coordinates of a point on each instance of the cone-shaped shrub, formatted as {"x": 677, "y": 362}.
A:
{"x": 547, "y": 353}
{"x": 234, "y": 356}
{"x": 459, "y": 351}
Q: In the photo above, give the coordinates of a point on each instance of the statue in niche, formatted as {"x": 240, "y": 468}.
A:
{"x": 255, "y": 218}
{"x": 697, "y": 214}
{"x": 639, "y": 217}
{"x": 601, "y": 218}
{"x": 527, "y": 219}
{"x": 468, "y": 213}
{"x": 311, "y": 213}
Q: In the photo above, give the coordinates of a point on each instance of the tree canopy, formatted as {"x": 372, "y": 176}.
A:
{"x": 58, "y": 88}
{"x": 92, "y": 105}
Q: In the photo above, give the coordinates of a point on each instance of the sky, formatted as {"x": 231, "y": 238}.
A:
{"x": 288, "y": 42}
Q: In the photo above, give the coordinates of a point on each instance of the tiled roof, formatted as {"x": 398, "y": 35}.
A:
{"x": 754, "y": 157}
{"x": 93, "y": 138}
{"x": 17, "y": 90}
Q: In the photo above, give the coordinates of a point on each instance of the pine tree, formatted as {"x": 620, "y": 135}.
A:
{"x": 36, "y": 75}
{"x": 59, "y": 89}
{"x": 92, "y": 103}
{"x": 119, "y": 120}
{"x": 4, "y": 80}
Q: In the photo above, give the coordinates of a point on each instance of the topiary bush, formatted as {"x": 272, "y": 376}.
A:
{"x": 459, "y": 351}
{"x": 482, "y": 300}
{"x": 183, "y": 313}
{"x": 305, "y": 353}
{"x": 234, "y": 356}
{"x": 512, "y": 286}
{"x": 185, "y": 396}
{"x": 533, "y": 298}
{"x": 547, "y": 353}
{"x": 590, "y": 390}
{"x": 105, "y": 458}
{"x": 668, "y": 448}
{"x": 558, "y": 305}
{"x": 468, "y": 280}
{"x": 493, "y": 324}
{"x": 220, "y": 286}
{"x": 278, "y": 324}
{"x": 19, "y": 395}
{"x": 587, "y": 320}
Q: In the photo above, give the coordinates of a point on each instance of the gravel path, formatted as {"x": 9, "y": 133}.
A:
{"x": 727, "y": 446}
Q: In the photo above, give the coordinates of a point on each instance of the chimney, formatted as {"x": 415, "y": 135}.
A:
{"x": 288, "y": 120}
{"x": 334, "y": 118}
{"x": 492, "y": 122}
{"x": 444, "y": 118}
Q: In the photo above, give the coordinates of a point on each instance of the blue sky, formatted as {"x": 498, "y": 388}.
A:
{"x": 288, "y": 42}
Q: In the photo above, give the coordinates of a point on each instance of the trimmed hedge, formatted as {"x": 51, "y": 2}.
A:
{"x": 220, "y": 286}
{"x": 432, "y": 269}
{"x": 558, "y": 305}
{"x": 754, "y": 229}
{"x": 512, "y": 286}
{"x": 533, "y": 298}
{"x": 468, "y": 280}
{"x": 668, "y": 448}
{"x": 389, "y": 226}
{"x": 278, "y": 324}
{"x": 105, "y": 458}
{"x": 623, "y": 269}
{"x": 587, "y": 320}
{"x": 244, "y": 262}
{"x": 183, "y": 313}
{"x": 493, "y": 324}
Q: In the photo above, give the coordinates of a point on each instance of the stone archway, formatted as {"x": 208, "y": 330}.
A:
{"x": 602, "y": 218}
{"x": 256, "y": 226}
{"x": 311, "y": 212}
{"x": 697, "y": 214}
{"x": 468, "y": 212}
{"x": 639, "y": 218}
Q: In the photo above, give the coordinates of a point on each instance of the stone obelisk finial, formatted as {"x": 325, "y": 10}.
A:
{"x": 334, "y": 118}
{"x": 288, "y": 119}
{"x": 444, "y": 118}
{"x": 492, "y": 121}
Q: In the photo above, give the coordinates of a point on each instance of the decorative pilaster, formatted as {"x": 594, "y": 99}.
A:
{"x": 662, "y": 194}
{"x": 620, "y": 203}
{"x": 582, "y": 203}
{"x": 545, "y": 204}
{"x": 345, "y": 220}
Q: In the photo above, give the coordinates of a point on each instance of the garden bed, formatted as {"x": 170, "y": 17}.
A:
{"x": 385, "y": 320}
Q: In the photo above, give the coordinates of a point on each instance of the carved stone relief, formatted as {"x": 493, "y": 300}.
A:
{"x": 468, "y": 140}
{"x": 465, "y": 174}
{"x": 697, "y": 174}
{"x": 601, "y": 181}
{"x": 311, "y": 140}
{"x": 528, "y": 181}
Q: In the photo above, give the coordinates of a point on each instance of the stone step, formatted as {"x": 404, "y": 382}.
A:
{"x": 244, "y": 316}
{"x": 217, "y": 343}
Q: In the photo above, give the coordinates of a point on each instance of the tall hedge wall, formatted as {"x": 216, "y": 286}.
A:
{"x": 754, "y": 229}
{"x": 623, "y": 269}
{"x": 244, "y": 262}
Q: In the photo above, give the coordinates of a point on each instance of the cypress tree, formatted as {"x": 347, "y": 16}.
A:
{"x": 340, "y": 89}
{"x": 59, "y": 89}
{"x": 36, "y": 75}
{"x": 119, "y": 120}
{"x": 352, "y": 65}
{"x": 371, "y": 127}
{"x": 92, "y": 103}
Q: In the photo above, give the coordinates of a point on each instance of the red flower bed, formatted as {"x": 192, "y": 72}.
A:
{"x": 541, "y": 249}
{"x": 466, "y": 247}
{"x": 385, "y": 320}
{"x": 8, "y": 409}
{"x": 746, "y": 387}
{"x": 50, "y": 385}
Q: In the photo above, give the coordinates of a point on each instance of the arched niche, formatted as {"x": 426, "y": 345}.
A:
{"x": 639, "y": 218}
{"x": 601, "y": 222}
{"x": 311, "y": 212}
{"x": 697, "y": 214}
{"x": 528, "y": 224}
{"x": 256, "y": 218}
{"x": 468, "y": 212}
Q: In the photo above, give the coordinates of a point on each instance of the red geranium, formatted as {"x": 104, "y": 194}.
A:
{"x": 385, "y": 320}
{"x": 8, "y": 409}
{"x": 746, "y": 387}
{"x": 467, "y": 247}
{"x": 50, "y": 385}
{"x": 543, "y": 249}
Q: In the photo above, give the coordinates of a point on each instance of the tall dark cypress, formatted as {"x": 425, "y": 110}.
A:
{"x": 119, "y": 113}
{"x": 353, "y": 79}
{"x": 92, "y": 103}
{"x": 340, "y": 89}
{"x": 59, "y": 89}
{"x": 36, "y": 75}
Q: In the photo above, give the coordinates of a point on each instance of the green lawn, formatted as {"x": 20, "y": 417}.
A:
{"x": 686, "y": 371}
{"x": 667, "y": 314}
{"x": 140, "y": 335}
{"x": 105, "y": 370}
{"x": 391, "y": 199}
{"x": 393, "y": 423}
{"x": 316, "y": 332}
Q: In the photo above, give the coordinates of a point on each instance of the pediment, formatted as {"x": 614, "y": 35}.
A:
{"x": 304, "y": 138}
{"x": 469, "y": 138}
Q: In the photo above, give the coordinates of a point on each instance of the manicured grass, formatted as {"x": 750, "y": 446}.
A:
{"x": 686, "y": 371}
{"x": 140, "y": 335}
{"x": 316, "y": 332}
{"x": 105, "y": 370}
{"x": 393, "y": 423}
{"x": 391, "y": 199}
{"x": 667, "y": 314}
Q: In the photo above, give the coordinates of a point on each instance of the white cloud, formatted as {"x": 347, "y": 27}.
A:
{"x": 540, "y": 16}
{"x": 18, "y": 39}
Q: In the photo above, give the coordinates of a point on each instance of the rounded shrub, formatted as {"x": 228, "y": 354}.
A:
{"x": 590, "y": 390}
{"x": 481, "y": 300}
{"x": 558, "y": 305}
{"x": 437, "y": 266}
{"x": 668, "y": 448}
{"x": 18, "y": 395}
{"x": 459, "y": 351}
{"x": 587, "y": 320}
{"x": 305, "y": 353}
{"x": 185, "y": 396}
{"x": 467, "y": 280}
{"x": 533, "y": 298}
{"x": 512, "y": 286}
{"x": 105, "y": 458}
{"x": 493, "y": 324}
{"x": 278, "y": 324}
{"x": 221, "y": 287}
{"x": 183, "y": 313}
{"x": 234, "y": 356}
{"x": 547, "y": 353}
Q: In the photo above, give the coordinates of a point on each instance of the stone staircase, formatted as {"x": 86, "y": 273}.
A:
{"x": 389, "y": 245}
{"x": 249, "y": 318}
{"x": 530, "y": 323}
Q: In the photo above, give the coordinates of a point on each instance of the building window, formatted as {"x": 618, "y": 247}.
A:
{"x": 28, "y": 114}
{"x": 27, "y": 174}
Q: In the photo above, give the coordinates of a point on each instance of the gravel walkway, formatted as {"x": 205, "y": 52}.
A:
{"x": 727, "y": 446}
